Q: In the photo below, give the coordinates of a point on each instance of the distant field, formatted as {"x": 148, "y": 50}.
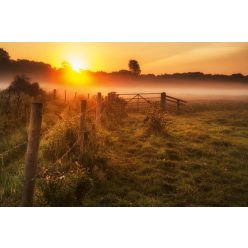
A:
{"x": 200, "y": 160}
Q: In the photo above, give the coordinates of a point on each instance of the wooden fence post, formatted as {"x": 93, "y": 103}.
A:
{"x": 109, "y": 97}
{"x": 54, "y": 94}
{"x": 65, "y": 95}
{"x": 98, "y": 109}
{"x": 75, "y": 96}
{"x": 112, "y": 97}
{"x": 81, "y": 126}
{"x": 32, "y": 154}
{"x": 163, "y": 102}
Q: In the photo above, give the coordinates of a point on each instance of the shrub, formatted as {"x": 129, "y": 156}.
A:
{"x": 156, "y": 121}
{"x": 66, "y": 189}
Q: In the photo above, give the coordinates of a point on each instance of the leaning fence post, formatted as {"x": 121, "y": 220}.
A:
{"x": 32, "y": 154}
{"x": 98, "y": 109}
{"x": 163, "y": 101}
{"x": 81, "y": 127}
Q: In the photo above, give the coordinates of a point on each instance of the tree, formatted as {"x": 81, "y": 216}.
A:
{"x": 22, "y": 84}
{"x": 4, "y": 56}
{"x": 134, "y": 66}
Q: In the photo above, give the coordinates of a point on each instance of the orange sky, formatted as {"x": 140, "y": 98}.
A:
{"x": 226, "y": 58}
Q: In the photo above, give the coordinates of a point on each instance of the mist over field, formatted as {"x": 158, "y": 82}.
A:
{"x": 179, "y": 88}
{"x": 70, "y": 77}
{"x": 185, "y": 91}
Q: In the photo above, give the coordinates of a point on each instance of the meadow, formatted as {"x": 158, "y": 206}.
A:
{"x": 199, "y": 158}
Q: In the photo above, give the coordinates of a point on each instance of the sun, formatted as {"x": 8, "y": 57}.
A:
{"x": 77, "y": 64}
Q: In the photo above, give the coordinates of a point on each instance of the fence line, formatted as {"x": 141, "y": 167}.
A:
{"x": 32, "y": 147}
{"x": 94, "y": 109}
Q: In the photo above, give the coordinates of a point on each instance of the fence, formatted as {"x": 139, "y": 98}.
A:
{"x": 33, "y": 143}
{"x": 136, "y": 100}
{"x": 141, "y": 101}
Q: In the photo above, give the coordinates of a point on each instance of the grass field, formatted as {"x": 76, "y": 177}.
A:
{"x": 201, "y": 159}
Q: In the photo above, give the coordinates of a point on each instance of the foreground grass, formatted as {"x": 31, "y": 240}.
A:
{"x": 200, "y": 160}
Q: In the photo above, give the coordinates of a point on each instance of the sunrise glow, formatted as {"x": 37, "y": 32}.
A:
{"x": 158, "y": 57}
{"x": 77, "y": 62}
{"x": 76, "y": 65}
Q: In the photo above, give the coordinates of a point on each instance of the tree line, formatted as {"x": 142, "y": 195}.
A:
{"x": 35, "y": 69}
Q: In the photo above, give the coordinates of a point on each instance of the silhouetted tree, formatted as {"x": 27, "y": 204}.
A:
{"x": 22, "y": 84}
{"x": 4, "y": 56}
{"x": 134, "y": 66}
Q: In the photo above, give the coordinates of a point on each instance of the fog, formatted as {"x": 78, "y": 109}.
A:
{"x": 185, "y": 90}
{"x": 181, "y": 89}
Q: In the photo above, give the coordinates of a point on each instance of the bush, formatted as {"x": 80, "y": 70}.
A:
{"x": 66, "y": 189}
{"x": 156, "y": 121}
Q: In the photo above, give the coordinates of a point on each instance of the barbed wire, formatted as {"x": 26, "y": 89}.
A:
{"x": 66, "y": 153}
{"x": 5, "y": 153}
{"x": 59, "y": 160}
{"x": 44, "y": 133}
{"x": 13, "y": 148}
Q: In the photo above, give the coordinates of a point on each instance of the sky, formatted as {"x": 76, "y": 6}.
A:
{"x": 153, "y": 57}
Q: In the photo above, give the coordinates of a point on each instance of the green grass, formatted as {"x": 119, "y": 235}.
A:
{"x": 200, "y": 160}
